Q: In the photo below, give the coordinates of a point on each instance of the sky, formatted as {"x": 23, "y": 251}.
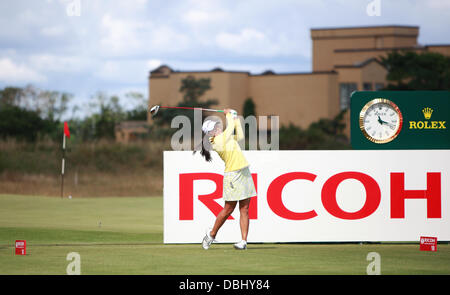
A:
{"x": 85, "y": 46}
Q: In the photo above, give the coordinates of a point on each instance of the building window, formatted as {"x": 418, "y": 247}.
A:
{"x": 379, "y": 86}
{"x": 345, "y": 91}
{"x": 367, "y": 86}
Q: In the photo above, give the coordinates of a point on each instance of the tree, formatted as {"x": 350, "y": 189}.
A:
{"x": 22, "y": 124}
{"x": 192, "y": 90}
{"x": 49, "y": 104}
{"x": 249, "y": 108}
{"x": 412, "y": 71}
{"x": 10, "y": 96}
{"x": 139, "y": 112}
{"x": 53, "y": 104}
{"x": 110, "y": 113}
{"x": 323, "y": 134}
{"x": 30, "y": 112}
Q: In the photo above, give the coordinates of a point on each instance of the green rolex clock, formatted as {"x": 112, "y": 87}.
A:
{"x": 380, "y": 120}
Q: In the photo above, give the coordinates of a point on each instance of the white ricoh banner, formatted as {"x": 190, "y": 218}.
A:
{"x": 314, "y": 196}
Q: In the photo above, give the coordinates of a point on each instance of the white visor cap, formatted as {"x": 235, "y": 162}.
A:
{"x": 208, "y": 126}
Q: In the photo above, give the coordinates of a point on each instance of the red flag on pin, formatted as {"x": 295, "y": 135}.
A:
{"x": 66, "y": 130}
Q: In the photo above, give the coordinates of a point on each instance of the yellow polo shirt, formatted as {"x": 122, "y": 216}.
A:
{"x": 226, "y": 145}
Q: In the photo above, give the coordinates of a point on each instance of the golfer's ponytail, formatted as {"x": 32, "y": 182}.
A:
{"x": 205, "y": 149}
{"x": 205, "y": 146}
{"x": 206, "y": 154}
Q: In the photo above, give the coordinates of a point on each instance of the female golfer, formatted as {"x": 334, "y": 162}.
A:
{"x": 237, "y": 181}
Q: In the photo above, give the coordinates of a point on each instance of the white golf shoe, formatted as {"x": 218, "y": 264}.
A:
{"x": 207, "y": 240}
{"x": 242, "y": 245}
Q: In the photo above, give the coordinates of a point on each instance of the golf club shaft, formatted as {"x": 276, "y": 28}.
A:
{"x": 189, "y": 108}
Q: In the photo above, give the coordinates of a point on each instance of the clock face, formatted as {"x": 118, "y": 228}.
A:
{"x": 380, "y": 120}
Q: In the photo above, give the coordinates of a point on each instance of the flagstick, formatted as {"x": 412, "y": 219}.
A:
{"x": 62, "y": 165}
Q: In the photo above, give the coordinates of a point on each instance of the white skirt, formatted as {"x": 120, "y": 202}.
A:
{"x": 238, "y": 185}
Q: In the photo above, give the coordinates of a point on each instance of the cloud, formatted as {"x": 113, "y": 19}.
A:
{"x": 247, "y": 41}
{"x": 120, "y": 36}
{"x": 125, "y": 37}
{"x": 123, "y": 71}
{"x": 153, "y": 63}
{"x": 57, "y": 63}
{"x": 53, "y": 31}
{"x": 197, "y": 17}
{"x": 252, "y": 42}
{"x": 18, "y": 73}
{"x": 439, "y": 4}
{"x": 114, "y": 43}
{"x": 167, "y": 39}
{"x": 110, "y": 70}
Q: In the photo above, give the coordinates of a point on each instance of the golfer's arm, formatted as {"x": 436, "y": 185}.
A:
{"x": 230, "y": 127}
{"x": 238, "y": 129}
{"x": 221, "y": 139}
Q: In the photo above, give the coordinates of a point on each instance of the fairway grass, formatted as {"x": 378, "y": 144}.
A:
{"x": 124, "y": 236}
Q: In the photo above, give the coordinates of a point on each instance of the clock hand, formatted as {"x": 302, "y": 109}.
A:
{"x": 392, "y": 126}
{"x": 380, "y": 121}
{"x": 383, "y": 122}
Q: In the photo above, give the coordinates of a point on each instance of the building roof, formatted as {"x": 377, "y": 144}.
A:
{"x": 268, "y": 72}
{"x": 296, "y": 73}
{"x": 162, "y": 69}
{"x": 418, "y": 47}
{"x": 365, "y": 32}
{"x": 215, "y": 70}
{"x": 360, "y": 65}
{"x": 364, "y": 27}
{"x": 162, "y": 72}
{"x": 437, "y": 45}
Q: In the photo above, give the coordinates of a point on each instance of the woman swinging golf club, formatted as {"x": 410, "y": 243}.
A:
{"x": 238, "y": 184}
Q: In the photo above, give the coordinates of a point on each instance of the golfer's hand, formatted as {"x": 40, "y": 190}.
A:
{"x": 231, "y": 111}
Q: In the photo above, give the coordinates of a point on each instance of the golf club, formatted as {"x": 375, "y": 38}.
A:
{"x": 154, "y": 110}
